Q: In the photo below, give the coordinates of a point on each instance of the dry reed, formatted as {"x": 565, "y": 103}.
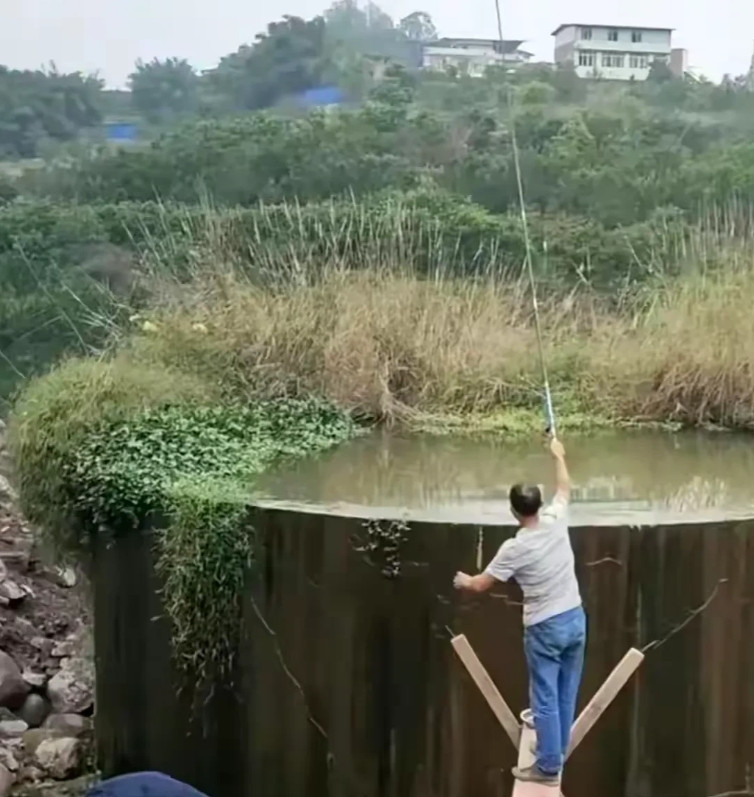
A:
{"x": 369, "y": 332}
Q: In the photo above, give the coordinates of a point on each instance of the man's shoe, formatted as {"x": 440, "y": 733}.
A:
{"x": 535, "y": 775}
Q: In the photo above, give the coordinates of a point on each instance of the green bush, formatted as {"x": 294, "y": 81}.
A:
{"x": 55, "y": 414}
{"x": 109, "y": 448}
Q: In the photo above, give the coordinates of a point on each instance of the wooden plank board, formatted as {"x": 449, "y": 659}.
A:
{"x": 528, "y": 744}
{"x": 487, "y": 687}
{"x": 604, "y": 696}
{"x": 523, "y": 788}
{"x": 526, "y": 758}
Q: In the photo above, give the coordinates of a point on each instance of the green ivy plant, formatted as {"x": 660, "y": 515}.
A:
{"x": 194, "y": 466}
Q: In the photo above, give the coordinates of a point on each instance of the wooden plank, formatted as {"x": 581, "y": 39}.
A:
{"x": 487, "y": 687}
{"x": 524, "y": 788}
{"x": 604, "y": 696}
{"x": 526, "y": 758}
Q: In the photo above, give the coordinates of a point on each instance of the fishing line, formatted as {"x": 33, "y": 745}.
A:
{"x": 549, "y": 412}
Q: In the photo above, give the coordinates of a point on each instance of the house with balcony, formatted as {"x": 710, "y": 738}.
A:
{"x": 616, "y": 52}
{"x": 472, "y": 56}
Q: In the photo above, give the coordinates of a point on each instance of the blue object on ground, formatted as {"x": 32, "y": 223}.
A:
{"x": 143, "y": 784}
{"x": 321, "y": 96}
{"x": 122, "y": 131}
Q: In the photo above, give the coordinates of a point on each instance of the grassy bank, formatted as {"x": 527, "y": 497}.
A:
{"x": 395, "y": 346}
{"x": 370, "y": 310}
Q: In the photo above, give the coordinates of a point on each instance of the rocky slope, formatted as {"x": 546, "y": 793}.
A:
{"x": 46, "y": 663}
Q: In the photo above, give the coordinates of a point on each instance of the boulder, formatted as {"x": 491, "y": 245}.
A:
{"x": 33, "y": 738}
{"x": 12, "y": 729}
{"x": 6, "y": 781}
{"x": 71, "y": 691}
{"x": 34, "y": 710}
{"x": 36, "y": 680}
{"x": 65, "y": 577}
{"x": 13, "y": 688}
{"x": 73, "y": 725}
{"x": 60, "y": 758}
{"x": 11, "y": 594}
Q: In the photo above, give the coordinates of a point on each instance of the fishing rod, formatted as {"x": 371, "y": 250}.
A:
{"x": 549, "y": 412}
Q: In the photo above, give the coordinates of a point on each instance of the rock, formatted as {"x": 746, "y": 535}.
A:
{"x": 66, "y": 577}
{"x": 34, "y": 710}
{"x": 3, "y": 571}
{"x": 71, "y": 691}
{"x": 10, "y": 729}
{"x": 61, "y": 758}
{"x": 36, "y": 680}
{"x": 33, "y": 738}
{"x": 11, "y": 594}
{"x": 16, "y": 558}
{"x": 64, "y": 650}
{"x": 6, "y": 781}
{"x": 45, "y": 788}
{"x": 8, "y": 760}
{"x": 73, "y": 725}
{"x": 13, "y": 688}
{"x": 33, "y": 775}
{"x": 7, "y": 493}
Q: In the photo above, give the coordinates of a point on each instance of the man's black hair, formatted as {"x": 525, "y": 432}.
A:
{"x": 526, "y": 499}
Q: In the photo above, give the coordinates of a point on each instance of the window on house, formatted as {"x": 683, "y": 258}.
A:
{"x": 635, "y": 36}
{"x": 612, "y": 35}
{"x": 586, "y": 33}
{"x": 612, "y": 60}
{"x": 638, "y": 61}
{"x": 586, "y": 58}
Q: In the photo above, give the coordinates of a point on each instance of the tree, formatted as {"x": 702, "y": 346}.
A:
{"x": 355, "y": 33}
{"x": 164, "y": 89}
{"x": 659, "y": 72}
{"x": 36, "y": 106}
{"x": 418, "y": 26}
{"x": 289, "y": 58}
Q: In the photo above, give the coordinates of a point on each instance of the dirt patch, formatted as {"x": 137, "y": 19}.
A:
{"x": 50, "y": 612}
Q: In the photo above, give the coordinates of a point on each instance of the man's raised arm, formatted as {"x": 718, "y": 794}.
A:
{"x": 562, "y": 478}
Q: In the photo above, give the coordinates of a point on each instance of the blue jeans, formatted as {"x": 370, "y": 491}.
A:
{"x": 555, "y": 656}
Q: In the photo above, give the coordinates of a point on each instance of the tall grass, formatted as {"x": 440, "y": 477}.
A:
{"x": 364, "y": 327}
{"x": 383, "y": 325}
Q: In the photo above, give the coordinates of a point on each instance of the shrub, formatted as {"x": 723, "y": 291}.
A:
{"x": 112, "y": 448}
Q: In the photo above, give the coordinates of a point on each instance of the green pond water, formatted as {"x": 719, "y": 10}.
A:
{"x": 618, "y": 478}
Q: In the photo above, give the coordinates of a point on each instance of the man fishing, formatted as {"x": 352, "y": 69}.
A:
{"x": 540, "y": 559}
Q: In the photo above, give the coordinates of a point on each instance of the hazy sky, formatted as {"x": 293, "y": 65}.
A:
{"x": 97, "y": 35}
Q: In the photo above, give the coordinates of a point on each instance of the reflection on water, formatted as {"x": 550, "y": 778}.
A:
{"x": 618, "y": 477}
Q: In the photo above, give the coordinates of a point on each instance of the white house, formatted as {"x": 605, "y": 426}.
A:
{"x": 472, "y": 56}
{"x": 615, "y": 52}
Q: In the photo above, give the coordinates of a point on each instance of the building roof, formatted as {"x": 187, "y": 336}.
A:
{"x": 612, "y": 27}
{"x": 509, "y": 45}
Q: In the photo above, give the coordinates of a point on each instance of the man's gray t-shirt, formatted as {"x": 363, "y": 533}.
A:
{"x": 541, "y": 561}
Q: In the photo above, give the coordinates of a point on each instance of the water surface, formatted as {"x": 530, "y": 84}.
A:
{"x": 634, "y": 478}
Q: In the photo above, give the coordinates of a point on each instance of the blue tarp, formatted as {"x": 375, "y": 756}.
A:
{"x": 143, "y": 784}
{"x": 324, "y": 95}
{"x": 121, "y": 131}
